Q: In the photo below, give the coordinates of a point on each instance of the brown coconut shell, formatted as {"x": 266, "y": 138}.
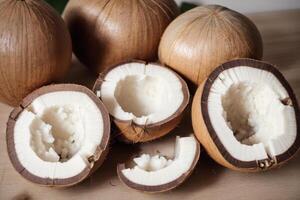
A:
{"x": 159, "y": 188}
{"x": 105, "y": 33}
{"x": 95, "y": 160}
{"x": 203, "y": 38}
{"x": 207, "y": 136}
{"x": 130, "y": 132}
{"x": 35, "y": 48}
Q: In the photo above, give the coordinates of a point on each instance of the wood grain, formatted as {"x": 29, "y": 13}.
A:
{"x": 281, "y": 35}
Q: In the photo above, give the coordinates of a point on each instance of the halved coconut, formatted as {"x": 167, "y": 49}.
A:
{"x": 246, "y": 116}
{"x": 58, "y": 135}
{"x": 145, "y": 100}
{"x": 157, "y": 173}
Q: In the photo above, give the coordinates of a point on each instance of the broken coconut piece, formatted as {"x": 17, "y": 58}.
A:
{"x": 157, "y": 173}
{"x": 146, "y": 100}
{"x": 58, "y": 135}
{"x": 246, "y": 116}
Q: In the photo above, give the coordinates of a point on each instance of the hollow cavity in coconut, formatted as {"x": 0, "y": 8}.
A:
{"x": 145, "y": 100}
{"x": 159, "y": 174}
{"x": 246, "y": 116}
{"x": 58, "y": 135}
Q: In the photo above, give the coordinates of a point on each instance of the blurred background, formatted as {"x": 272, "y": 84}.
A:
{"x": 250, "y": 6}
{"x": 244, "y": 6}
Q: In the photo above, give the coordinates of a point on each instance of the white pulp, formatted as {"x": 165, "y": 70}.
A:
{"x": 143, "y": 93}
{"x": 57, "y": 133}
{"x": 151, "y": 163}
{"x": 246, "y": 110}
{"x": 140, "y": 95}
{"x": 157, "y": 170}
{"x": 254, "y": 113}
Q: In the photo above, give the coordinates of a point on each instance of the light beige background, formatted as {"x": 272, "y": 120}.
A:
{"x": 250, "y": 6}
{"x": 281, "y": 34}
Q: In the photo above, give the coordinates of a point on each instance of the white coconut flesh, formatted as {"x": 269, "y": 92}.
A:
{"x": 144, "y": 94}
{"x": 57, "y": 133}
{"x": 157, "y": 170}
{"x": 247, "y": 111}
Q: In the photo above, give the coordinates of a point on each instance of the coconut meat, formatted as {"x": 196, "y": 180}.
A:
{"x": 57, "y": 133}
{"x": 143, "y": 93}
{"x": 249, "y": 112}
{"x": 158, "y": 170}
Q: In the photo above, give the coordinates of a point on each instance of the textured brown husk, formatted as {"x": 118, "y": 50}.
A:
{"x": 35, "y": 48}
{"x": 95, "y": 161}
{"x": 203, "y": 38}
{"x": 207, "y": 135}
{"x": 105, "y": 33}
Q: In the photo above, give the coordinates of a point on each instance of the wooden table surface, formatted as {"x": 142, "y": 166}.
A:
{"x": 281, "y": 35}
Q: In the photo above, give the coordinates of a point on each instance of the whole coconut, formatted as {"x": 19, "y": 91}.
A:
{"x": 108, "y": 32}
{"x": 198, "y": 41}
{"x": 35, "y": 48}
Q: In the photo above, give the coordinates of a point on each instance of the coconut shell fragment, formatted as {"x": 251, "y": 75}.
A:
{"x": 177, "y": 170}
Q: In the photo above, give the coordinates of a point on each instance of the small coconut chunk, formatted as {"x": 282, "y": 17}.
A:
{"x": 154, "y": 163}
{"x": 158, "y": 170}
{"x": 51, "y": 155}
{"x": 143, "y": 161}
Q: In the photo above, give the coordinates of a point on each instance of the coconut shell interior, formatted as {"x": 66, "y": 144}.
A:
{"x": 207, "y": 135}
{"x": 94, "y": 160}
{"x": 129, "y": 131}
{"x": 162, "y": 146}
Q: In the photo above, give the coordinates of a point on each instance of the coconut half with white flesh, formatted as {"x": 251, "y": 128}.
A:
{"x": 246, "y": 116}
{"x": 159, "y": 174}
{"x": 58, "y": 135}
{"x": 146, "y": 101}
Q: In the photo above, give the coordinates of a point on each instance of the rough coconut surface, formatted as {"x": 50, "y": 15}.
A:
{"x": 248, "y": 114}
{"x": 145, "y": 94}
{"x": 57, "y": 133}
